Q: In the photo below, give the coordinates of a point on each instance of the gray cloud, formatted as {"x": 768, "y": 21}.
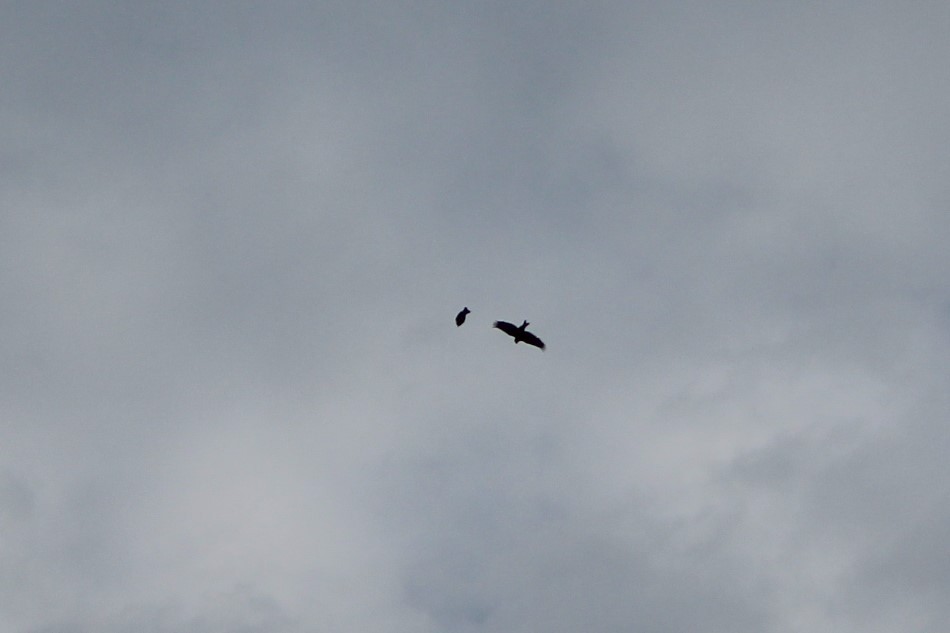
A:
{"x": 234, "y": 238}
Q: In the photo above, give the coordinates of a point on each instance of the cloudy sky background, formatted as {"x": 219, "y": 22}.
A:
{"x": 234, "y": 237}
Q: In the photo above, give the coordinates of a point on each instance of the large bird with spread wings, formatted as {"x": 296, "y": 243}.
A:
{"x": 519, "y": 333}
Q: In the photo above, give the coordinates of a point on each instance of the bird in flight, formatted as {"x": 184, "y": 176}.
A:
{"x": 519, "y": 333}
{"x": 460, "y": 317}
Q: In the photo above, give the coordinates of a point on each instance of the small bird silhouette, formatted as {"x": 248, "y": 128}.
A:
{"x": 519, "y": 333}
{"x": 460, "y": 317}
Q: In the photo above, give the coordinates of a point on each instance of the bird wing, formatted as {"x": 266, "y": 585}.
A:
{"x": 531, "y": 339}
{"x": 508, "y": 328}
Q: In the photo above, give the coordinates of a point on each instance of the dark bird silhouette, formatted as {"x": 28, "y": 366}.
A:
{"x": 519, "y": 333}
{"x": 460, "y": 317}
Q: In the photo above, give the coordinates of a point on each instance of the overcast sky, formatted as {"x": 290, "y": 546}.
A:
{"x": 234, "y": 236}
